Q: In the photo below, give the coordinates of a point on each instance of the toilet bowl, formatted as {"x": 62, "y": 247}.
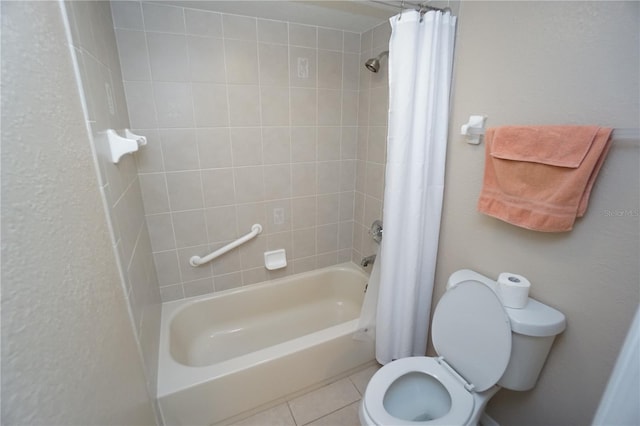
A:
{"x": 482, "y": 346}
{"x": 417, "y": 390}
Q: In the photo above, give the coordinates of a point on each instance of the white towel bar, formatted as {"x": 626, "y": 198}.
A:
{"x": 197, "y": 260}
{"x": 626, "y": 134}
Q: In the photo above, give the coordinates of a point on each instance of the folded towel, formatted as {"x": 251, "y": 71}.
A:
{"x": 540, "y": 178}
{"x": 564, "y": 146}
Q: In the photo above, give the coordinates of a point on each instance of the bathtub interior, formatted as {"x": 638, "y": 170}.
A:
{"x": 237, "y": 323}
{"x": 310, "y": 342}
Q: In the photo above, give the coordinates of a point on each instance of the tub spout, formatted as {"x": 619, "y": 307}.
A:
{"x": 368, "y": 260}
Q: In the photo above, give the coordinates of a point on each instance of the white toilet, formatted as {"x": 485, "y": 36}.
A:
{"x": 482, "y": 347}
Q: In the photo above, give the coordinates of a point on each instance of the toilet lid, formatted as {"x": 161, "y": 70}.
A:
{"x": 472, "y": 332}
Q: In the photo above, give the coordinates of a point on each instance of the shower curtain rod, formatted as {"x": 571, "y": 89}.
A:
{"x": 420, "y": 7}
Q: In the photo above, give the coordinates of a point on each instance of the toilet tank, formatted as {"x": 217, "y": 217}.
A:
{"x": 533, "y": 330}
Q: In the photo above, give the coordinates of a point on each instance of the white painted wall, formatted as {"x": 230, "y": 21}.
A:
{"x": 552, "y": 63}
{"x": 69, "y": 355}
{"x": 619, "y": 404}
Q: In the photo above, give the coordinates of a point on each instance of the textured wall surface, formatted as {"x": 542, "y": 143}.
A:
{"x": 552, "y": 63}
{"x": 69, "y": 355}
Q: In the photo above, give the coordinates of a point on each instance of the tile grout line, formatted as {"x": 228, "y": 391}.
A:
{"x": 328, "y": 414}
{"x": 350, "y": 381}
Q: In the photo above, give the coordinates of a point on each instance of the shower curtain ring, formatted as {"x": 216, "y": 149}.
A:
{"x": 401, "y": 10}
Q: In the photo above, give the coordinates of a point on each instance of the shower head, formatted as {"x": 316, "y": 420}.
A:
{"x": 373, "y": 64}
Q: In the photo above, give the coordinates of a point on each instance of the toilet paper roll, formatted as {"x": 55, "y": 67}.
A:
{"x": 513, "y": 290}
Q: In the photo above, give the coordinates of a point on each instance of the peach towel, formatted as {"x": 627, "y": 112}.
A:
{"x": 540, "y": 177}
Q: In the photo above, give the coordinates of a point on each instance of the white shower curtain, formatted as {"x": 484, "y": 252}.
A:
{"x": 420, "y": 63}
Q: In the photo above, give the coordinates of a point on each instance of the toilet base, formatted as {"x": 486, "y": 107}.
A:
{"x": 481, "y": 399}
{"x": 487, "y": 420}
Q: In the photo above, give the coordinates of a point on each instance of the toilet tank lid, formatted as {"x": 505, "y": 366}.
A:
{"x": 463, "y": 275}
{"x": 536, "y": 319}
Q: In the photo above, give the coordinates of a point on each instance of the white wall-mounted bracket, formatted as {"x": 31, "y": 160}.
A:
{"x": 474, "y": 129}
{"x": 119, "y": 146}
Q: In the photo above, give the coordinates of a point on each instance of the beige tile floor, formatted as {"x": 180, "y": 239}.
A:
{"x": 335, "y": 404}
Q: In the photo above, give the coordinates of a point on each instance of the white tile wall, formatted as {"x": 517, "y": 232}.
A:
{"x": 244, "y": 116}
{"x": 102, "y": 75}
{"x": 370, "y": 146}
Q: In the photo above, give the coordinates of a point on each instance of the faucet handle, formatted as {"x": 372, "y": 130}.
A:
{"x": 376, "y": 231}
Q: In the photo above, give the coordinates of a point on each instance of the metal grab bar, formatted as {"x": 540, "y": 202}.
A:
{"x": 197, "y": 260}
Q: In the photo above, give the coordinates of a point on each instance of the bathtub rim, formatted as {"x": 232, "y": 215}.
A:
{"x": 174, "y": 376}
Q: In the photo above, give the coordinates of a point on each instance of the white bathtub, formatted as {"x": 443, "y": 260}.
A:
{"x": 227, "y": 353}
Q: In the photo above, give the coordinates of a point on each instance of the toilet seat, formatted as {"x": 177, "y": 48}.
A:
{"x": 472, "y": 334}
{"x": 462, "y": 401}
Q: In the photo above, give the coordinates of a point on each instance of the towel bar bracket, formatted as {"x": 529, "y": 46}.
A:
{"x": 474, "y": 129}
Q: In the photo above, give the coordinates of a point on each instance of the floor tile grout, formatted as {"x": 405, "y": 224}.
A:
{"x": 334, "y": 411}
{"x": 328, "y": 414}
{"x": 355, "y": 386}
{"x": 291, "y": 413}
{"x": 354, "y": 380}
